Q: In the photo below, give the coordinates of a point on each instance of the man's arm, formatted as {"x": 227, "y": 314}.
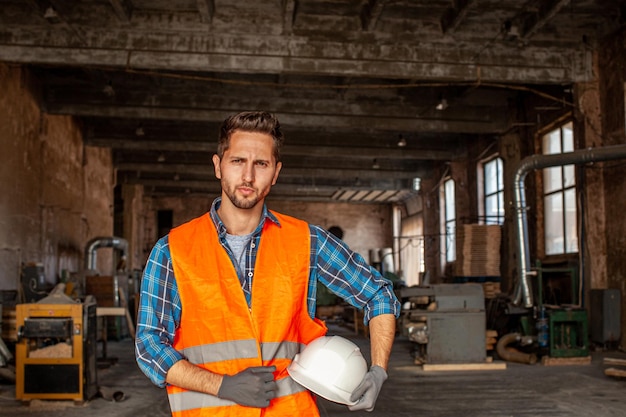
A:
{"x": 186, "y": 375}
{"x": 252, "y": 387}
{"x": 159, "y": 311}
{"x": 382, "y": 332}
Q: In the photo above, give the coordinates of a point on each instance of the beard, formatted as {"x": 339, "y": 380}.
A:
{"x": 243, "y": 202}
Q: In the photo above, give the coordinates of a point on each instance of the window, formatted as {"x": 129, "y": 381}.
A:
{"x": 559, "y": 195}
{"x": 448, "y": 241}
{"x": 492, "y": 191}
{"x": 412, "y": 249}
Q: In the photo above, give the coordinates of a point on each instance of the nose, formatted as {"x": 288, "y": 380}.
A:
{"x": 248, "y": 172}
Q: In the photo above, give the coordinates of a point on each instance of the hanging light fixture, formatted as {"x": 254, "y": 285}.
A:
{"x": 401, "y": 141}
{"x": 417, "y": 184}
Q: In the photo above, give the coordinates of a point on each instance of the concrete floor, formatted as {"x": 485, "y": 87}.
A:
{"x": 517, "y": 391}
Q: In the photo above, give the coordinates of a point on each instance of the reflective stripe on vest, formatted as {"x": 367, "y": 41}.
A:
{"x": 220, "y": 333}
{"x": 188, "y": 400}
{"x": 238, "y": 349}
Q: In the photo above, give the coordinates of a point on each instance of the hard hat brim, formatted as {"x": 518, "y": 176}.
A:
{"x": 335, "y": 394}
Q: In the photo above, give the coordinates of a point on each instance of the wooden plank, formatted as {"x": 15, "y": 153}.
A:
{"x": 129, "y": 319}
{"x": 110, "y": 311}
{"x": 615, "y": 372}
{"x": 578, "y": 360}
{"x": 614, "y": 361}
{"x": 464, "y": 366}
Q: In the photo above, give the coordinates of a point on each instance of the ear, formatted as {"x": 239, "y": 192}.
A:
{"x": 216, "y": 167}
{"x": 279, "y": 165}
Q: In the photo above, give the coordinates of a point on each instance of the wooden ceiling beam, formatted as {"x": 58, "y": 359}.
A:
{"x": 388, "y": 123}
{"x": 441, "y": 62}
{"x": 354, "y": 152}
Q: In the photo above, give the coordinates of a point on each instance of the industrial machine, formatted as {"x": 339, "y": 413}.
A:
{"x": 56, "y": 350}
{"x": 446, "y": 322}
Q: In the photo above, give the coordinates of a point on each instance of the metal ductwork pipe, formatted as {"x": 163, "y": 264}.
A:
{"x": 103, "y": 242}
{"x": 607, "y": 153}
{"x": 511, "y": 354}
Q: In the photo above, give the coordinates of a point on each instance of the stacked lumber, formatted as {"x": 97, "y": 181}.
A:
{"x": 491, "y": 339}
{"x": 615, "y": 372}
{"x": 478, "y": 250}
{"x": 491, "y": 289}
{"x": 9, "y": 329}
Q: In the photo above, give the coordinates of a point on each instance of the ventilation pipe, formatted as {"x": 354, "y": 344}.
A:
{"x": 608, "y": 153}
{"x": 103, "y": 242}
{"x": 510, "y": 354}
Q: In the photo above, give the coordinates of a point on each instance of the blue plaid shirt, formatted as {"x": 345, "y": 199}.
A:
{"x": 343, "y": 271}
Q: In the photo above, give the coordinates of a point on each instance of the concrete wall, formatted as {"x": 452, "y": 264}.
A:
{"x": 56, "y": 193}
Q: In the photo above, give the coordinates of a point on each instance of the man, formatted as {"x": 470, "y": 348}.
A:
{"x": 228, "y": 299}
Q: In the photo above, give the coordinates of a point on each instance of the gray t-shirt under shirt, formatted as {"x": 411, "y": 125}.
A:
{"x": 238, "y": 246}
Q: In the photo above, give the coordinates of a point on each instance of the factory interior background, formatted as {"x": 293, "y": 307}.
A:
{"x": 471, "y": 151}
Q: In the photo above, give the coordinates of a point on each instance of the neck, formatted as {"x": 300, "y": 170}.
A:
{"x": 239, "y": 221}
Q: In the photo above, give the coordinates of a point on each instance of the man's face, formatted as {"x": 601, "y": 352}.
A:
{"x": 248, "y": 169}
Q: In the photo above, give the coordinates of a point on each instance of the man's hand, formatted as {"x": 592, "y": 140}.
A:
{"x": 367, "y": 391}
{"x": 252, "y": 387}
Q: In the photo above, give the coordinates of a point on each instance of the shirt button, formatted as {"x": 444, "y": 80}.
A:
{"x": 249, "y": 274}
{"x": 253, "y": 245}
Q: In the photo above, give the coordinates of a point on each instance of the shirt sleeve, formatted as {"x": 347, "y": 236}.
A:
{"x": 158, "y": 315}
{"x": 349, "y": 276}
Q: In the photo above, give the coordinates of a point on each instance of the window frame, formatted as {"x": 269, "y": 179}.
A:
{"x": 483, "y": 194}
{"x": 448, "y": 221}
{"x": 558, "y": 183}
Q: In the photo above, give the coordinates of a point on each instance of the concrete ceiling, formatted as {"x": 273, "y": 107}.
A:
{"x": 349, "y": 79}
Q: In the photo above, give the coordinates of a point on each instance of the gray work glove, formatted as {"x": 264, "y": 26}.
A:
{"x": 252, "y": 387}
{"x": 367, "y": 391}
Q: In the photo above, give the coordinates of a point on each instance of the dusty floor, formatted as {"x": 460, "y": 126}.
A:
{"x": 517, "y": 391}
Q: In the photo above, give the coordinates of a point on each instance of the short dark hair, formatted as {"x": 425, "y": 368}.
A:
{"x": 250, "y": 121}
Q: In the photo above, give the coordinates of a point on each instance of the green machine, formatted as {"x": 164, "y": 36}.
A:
{"x": 561, "y": 325}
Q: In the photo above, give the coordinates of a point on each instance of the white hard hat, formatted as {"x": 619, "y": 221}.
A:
{"x": 330, "y": 366}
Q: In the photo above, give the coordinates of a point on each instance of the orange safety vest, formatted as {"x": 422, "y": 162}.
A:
{"x": 218, "y": 332}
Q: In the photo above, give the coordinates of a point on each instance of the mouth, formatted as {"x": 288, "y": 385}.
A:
{"x": 245, "y": 190}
